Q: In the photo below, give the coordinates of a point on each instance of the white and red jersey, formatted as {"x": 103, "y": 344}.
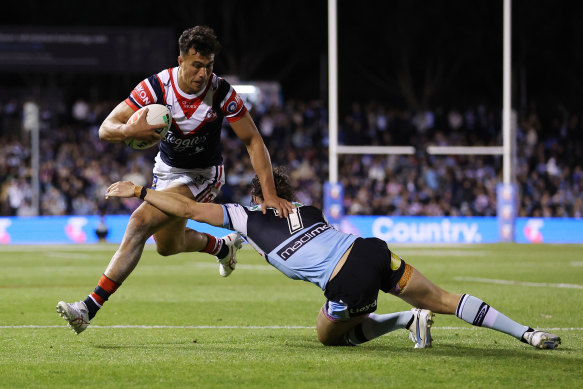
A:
{"x": 194, "y": 140}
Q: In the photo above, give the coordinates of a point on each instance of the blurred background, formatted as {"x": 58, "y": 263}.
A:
{"x": 414, "y": 73}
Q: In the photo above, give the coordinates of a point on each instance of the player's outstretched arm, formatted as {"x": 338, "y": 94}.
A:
{"x": 247, "y": 131}
{"x": 172, "y": 203}
{"x": 115, "y": 127}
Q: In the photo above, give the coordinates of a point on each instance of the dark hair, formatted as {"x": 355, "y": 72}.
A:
{"x": 200, "y": 38}
{"x": 283, "y": 185}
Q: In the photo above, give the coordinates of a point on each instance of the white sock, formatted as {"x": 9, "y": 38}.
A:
{"x": 376, "y": 325}
{"x": 476, "y": 312}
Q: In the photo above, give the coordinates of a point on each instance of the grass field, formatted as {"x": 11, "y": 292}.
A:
{"x": 177, "y": 323}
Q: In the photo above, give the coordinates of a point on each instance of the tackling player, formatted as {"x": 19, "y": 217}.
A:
{"x": 350, "y": 270}
{"x": 188, "y": 163}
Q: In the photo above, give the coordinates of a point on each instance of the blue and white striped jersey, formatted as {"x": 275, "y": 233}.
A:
{"x": 302, "y": 246}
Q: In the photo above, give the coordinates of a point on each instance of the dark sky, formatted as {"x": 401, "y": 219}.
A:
{"x": 402, "y": 52}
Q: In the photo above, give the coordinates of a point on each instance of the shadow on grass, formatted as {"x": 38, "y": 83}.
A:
{"x": 521, "y": 351}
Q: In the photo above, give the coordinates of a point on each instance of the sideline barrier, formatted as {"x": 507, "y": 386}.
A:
{"x": 406, "y": 229}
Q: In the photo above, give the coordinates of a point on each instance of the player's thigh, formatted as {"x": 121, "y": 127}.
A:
{"x": 145, "y": 221}
{"x": 172, "y": 230}
{"x": 332, "y": 332}
{"x": 422, "y": 293}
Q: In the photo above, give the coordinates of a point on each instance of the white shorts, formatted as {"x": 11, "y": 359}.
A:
{"x": 204, "y": 184}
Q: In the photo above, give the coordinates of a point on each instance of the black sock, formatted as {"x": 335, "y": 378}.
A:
{"x": 223, "y": 251}
{"x": 91, "y": 307}
{"x": 530, "y": 329}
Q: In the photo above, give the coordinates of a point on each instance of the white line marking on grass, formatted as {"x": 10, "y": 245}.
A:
{"x": 439, "y": 246}
{"x": 577, "y": 264}
{"x": 519, "y": 283}
{"x": 441, "y": 253}
{"x": 64, "y": 247}
{"x": 54, "y": 254}
{"x": 202, "y": 327}
{"x": 150, "y": 327}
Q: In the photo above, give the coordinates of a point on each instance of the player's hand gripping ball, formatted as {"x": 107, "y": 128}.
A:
{"x": 157, "y": 114}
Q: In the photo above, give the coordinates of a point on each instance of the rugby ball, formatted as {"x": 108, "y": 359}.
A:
{"x": 157, "y": 114}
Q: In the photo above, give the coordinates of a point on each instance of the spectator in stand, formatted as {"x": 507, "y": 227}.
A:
{"x": 549, "y": 169}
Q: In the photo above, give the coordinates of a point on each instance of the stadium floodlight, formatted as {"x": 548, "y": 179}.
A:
{"x": 245, "y": 89}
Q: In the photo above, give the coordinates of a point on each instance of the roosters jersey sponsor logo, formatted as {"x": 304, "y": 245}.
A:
{"x": 181, "y": 144}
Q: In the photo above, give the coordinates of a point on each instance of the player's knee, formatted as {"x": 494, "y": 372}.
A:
{"x": 138, "y": 229}
{"x": 140, "y": 222}
{"x": 329, "y": 341}
{"x": 165, "y": 249}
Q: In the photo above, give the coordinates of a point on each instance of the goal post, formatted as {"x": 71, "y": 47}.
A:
{"x": 506, "y": 191}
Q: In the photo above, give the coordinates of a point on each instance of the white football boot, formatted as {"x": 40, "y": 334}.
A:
{"x": 228, "y": 262}
{"x": 541, "y": 339}
{"x": 420, "y": 328}
{"x": 76, "y": 315}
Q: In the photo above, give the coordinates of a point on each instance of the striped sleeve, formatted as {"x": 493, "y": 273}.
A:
{"x": 148, "y": 91}
{"x": 235, "y": 217}
{"x": 232, "y": 105}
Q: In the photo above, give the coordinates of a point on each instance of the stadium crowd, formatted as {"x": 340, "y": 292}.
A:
{"x": 76, "y": 167}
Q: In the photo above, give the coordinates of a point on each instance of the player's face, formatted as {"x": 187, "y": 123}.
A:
{"x": 195, "y": 71}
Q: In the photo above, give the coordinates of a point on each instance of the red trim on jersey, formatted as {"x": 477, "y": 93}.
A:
{"x": 197, "y": 128}
{"x": 239, "y": 109}
{"x": 142, "y": 94}
{"x": 189, "y": 106}
{"x": 207, "y": 194}
{"x": 175, "y": 125}
{"x": 239, "y": 116}
{"x": 220, "y": 176}
{"x": 131, "y": 104}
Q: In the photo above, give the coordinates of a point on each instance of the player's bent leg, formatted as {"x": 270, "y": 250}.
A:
{"x": 333, "y": 332}
{"x": 174, "y": 237}
{"x": 418, "y": 291}
{"x": 145, "y": 221}
{"x": 356, "y": 330}
{"x": 422, "y": 293}
{"x": 171, "y": 237}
